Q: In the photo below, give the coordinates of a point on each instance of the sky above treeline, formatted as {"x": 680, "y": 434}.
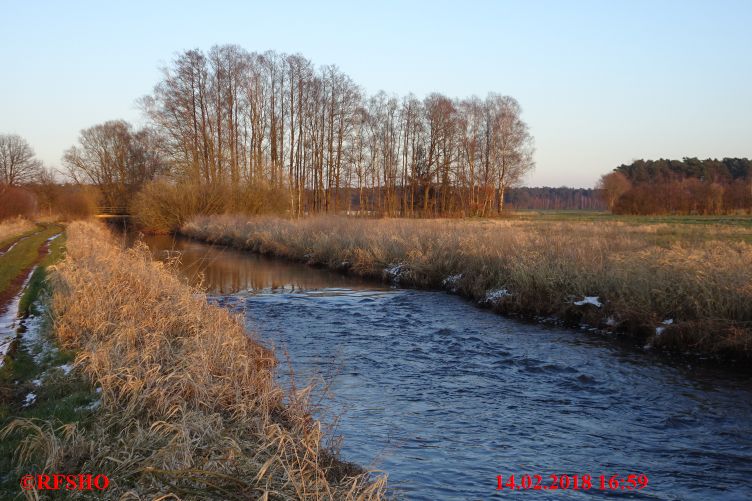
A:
{"x": 600, "y": 83}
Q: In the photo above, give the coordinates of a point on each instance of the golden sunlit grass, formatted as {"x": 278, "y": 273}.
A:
{"x": 189, "y": 405}
{"x": 699, "y": 277}
{"x": 12, "y": 228}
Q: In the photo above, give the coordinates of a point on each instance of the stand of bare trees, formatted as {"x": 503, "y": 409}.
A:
{"x": 116, "y": 159}
{"x": 276, "y": 123}
{"x": 18, "y": 165}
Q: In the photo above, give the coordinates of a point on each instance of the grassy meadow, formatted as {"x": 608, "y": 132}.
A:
{"x": 680, "y": 223}
{"x": 164, "y": 393}
{"x": 679, "y": 286}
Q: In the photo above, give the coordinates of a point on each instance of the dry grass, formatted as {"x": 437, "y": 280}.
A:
{"x": 189, "y": 406}
{"x": 12, "y": 228}
{"x": 700, "y": 277}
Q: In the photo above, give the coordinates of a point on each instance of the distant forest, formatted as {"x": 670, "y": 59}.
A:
{"x": 687, "y": 186}
{"x": 518, "y": 198}
{"x": 555, "y": 198}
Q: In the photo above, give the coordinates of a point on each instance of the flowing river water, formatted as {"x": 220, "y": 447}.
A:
{"x": 444, "y": 396}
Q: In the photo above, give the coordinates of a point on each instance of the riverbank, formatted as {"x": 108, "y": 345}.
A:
{"x": 685, "y": 290}
{"x": 187, "y": 403}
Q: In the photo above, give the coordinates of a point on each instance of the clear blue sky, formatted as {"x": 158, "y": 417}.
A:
{"x": 600, "y": 83}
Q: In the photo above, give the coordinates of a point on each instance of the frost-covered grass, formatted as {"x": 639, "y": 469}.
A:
{"x": 610, "y": 274}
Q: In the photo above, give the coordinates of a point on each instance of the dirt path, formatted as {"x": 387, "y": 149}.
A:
{"x": 17, "y": 282}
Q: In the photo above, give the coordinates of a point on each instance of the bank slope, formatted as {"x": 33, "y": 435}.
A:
{"x": 675, "y": 287}
{"x": 188, "y": 403}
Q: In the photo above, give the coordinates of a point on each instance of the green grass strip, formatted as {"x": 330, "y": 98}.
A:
{"x": 23, "y": 255}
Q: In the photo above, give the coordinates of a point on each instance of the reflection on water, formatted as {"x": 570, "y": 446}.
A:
{"x": 225, "y": 270}
{"x": 444, "y": 396}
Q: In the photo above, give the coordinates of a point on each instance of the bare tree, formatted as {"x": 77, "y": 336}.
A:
{"x": 511, "y": 146}
{"x": 17, "y": 163}
{"x": 255, "y": 121}
{"x": 114, "y": 158}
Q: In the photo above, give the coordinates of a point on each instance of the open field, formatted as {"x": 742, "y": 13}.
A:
{"x": 187, "y": 402}
{"x": 665, "y": 229}
{"x": 685, "y": 288}
{"x": 738, "y": 220}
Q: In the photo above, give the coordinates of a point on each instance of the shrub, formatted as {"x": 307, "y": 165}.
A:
{"x": 15, "y": 201}
{"x": 164, "y": 206}
{"x": 76, "y": 202}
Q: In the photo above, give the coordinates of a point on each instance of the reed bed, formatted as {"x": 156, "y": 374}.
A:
{"x": 189, "y": 406}
{"x": 12, "y": 228}
{"x": 681, "y": 289}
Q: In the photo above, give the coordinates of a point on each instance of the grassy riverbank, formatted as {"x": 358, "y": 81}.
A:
{"x": 684, "y": 288}
{"x": 187, "y": 403}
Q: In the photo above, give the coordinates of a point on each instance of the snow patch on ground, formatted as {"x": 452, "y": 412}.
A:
{"x": 496, "y": 295}
{"x": 451, "y": 282}
{"x": 661, "y": 328}
{"x": 9, "y": 321}
{"x": 594, "y": 300}
{"x": 30, "y": 399}
{"x": 38, "y": 345}
{"x": 66, "y": 368}
{"x": 92, "y": 406}
{"x": 395, "y": 272}
{"x": 611, "y": 322}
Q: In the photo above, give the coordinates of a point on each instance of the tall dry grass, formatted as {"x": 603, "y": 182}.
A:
{"x": 700, "y": 278}
{"x": 13, "y": 227}
{"x": 189, "y": 406}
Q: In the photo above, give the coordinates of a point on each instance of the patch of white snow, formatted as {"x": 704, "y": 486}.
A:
{"x": 395, "y": 272}
{"x": 594, "y": 300}
{"x": 496, "y": 295}
{"x": 451, "y": 282}
{"x": 30, "y": 399}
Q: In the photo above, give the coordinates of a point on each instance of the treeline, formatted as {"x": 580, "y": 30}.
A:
{"x": 562, "y": 198}
{"x": 28, "y": 189}
{"x": 276, "y": 122}
{"x": 236, "y": 131}
{"x": 688, "y": 186}
{"x": 664, "y": 170}
{"x": 543, "y": 198}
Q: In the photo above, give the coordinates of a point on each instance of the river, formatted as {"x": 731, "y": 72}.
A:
{"x": 445, "y": 396}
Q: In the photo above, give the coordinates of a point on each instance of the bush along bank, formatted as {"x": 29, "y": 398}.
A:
{"x": 188, "y": 407}
{"x": 690, "y": 294}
